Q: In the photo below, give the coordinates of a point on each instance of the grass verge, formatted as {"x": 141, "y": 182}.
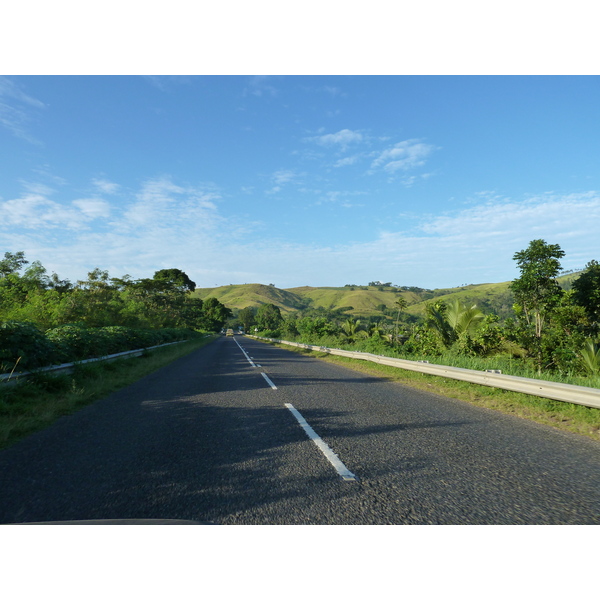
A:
{"x": 582, "y": 420}
{"x": 43, "y": 398}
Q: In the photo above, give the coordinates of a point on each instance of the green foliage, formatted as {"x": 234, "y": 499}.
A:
{"x": 351, "y": 328}
{"x": 316, "y": 327}
{"x": 25, "y": 343}
{"x": 586, "y": 293}
{"x": 12, "y": 263}
{"x": 289, "y": 328}
{"x": 424, "y": 341}
{"x": 246, "y": 318}
{"x": 268, "y": 317}
{"x": 165, "y": 301}
{"x": 536, "y": 291}
{"x": 487, "y": 339}
{"x": 174, "y": 279}
{"x": 590, "y": 357}
{"x": 214, "y": 315}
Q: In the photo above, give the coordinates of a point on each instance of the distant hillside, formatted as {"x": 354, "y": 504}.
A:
{"x": 489, "y": 297}
{"x": 253, "y": 294}
{"x": 366, "y": 301}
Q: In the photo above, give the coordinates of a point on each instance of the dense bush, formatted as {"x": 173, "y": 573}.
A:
{"x": 71, "y": 343}
{"x": 25, "y": 343}
{"x": 77, "y": 342}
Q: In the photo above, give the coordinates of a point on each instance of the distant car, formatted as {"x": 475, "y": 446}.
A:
{"x": 229, "y": 332}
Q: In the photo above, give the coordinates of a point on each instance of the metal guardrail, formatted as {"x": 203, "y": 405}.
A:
{"x": 564, "y": 392}
{"x": 68, "y": 367}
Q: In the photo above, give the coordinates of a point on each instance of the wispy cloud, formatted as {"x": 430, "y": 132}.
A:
{"x": 164, "y": 206}
{"x": 341, "y": 139}
{"x": 93, "y": 208}
{"x": 166, "y": 82}
{"x": 105, "y": 186}
{"x": 340, "y": 197}
{"x": 260, "y": 85}
{"x": 349, "y": 160}
{"x": 17, "y": 109}
{"x": 35, "y": 211}
{"x": 281, "y": 178}
{"x": 405, "y": 155}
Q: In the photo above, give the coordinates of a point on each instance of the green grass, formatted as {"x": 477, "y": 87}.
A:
{"x": 42, "y": 398}
{"x": 565, "y": 416}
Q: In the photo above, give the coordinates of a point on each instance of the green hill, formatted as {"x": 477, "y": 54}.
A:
{"x": 363, "y": 300}
{"x": 366, "y": 301}
{"x": 253, "y": 294}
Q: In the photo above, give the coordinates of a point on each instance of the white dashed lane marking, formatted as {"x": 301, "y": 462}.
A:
{"x": 330, "y": 455}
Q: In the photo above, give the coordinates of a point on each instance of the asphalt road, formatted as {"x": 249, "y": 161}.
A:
{"x": 209, "y": 439}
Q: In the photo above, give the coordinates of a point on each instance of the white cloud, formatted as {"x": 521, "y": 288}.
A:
{"x": 284, "y": 176}
{"x": 161, "y": 205}
{"x": 16, "y": 109}
{"x": 105, "y": 186}
{"x": 37, "y": 188}
{"x": 258, "y": 86}
{"x": 281, "y": 178}
{"x": 405, "y": 155}
{"x": 349, "y": 160}
{"x": 93, "y": 208}
{"x": 342, "y": 138}
{"x": 35, "y": 211}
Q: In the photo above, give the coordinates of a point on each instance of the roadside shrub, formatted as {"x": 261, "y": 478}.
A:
{"x": 116, "y": 339}
{"x": 25, "y": 343}
{"x": 270, "y": 333}
{"x": 76, "y": 342}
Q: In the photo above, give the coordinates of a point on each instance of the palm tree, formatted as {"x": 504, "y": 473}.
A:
{"x": 375, "y": 330}
{"x": 351, "y": 329}
{"x": 452, "y": 320}
{"x": 463, "y": 319}
{"x": 590, "y": 357}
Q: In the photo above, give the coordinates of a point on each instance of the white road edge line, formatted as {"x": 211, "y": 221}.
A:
{"x": 330, "y": 455}
{"x": 269, "y": 381}
{"x": 247, "y": 357}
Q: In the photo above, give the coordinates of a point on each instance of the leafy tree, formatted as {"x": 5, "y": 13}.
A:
{"x": 176, "y": 279}
{"x": 215, "y": 314}
{"x": 191, "y": 313}
{"x": 268, "y": 317}
{"x": 12, "y": 263}
{"x": 536, "y": 291}
{"x": 316, "y": 327}
{"x": 246, "y": 317}
{"x": 587, "y": 293}
{"x": 290, "y": 326}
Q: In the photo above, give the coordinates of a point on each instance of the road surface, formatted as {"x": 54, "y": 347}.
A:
{"x": 222, "y": 436}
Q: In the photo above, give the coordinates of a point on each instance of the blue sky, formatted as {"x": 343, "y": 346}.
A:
{"x": 432, "y": 181}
